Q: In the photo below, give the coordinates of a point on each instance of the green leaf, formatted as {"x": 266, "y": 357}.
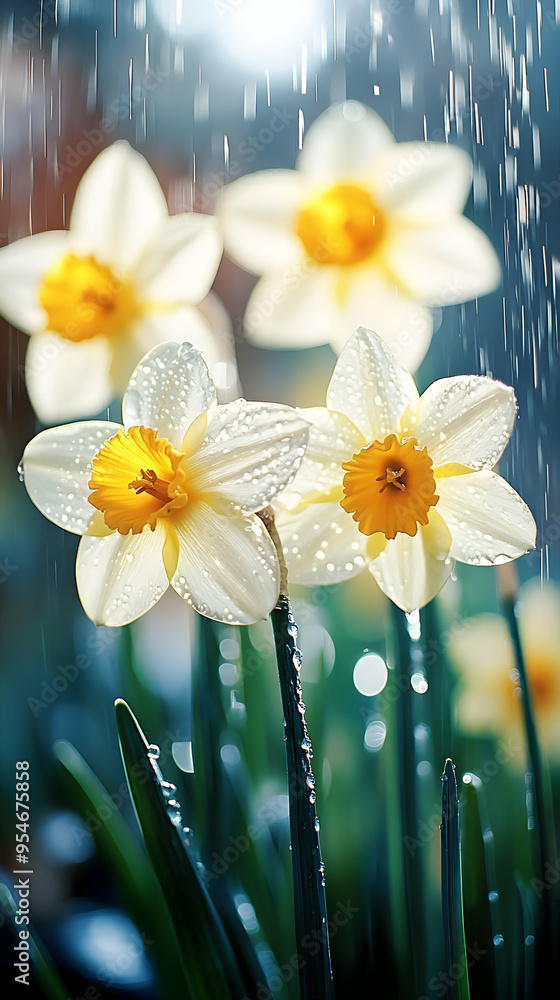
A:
{"x": 39, "y": 959}
{"x": 481, "y": 901}
{"x": 209, "y": 962}
{"x": 451, "y": 888}
{"x": 309, "y": 892}
{"x": 127, "y": 864}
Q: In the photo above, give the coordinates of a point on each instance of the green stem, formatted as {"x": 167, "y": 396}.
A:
{"x": 544, "y": 851}
{"x": 310, "y": 906}
{"x": 451, "y": 889}
{"x": 412, "y": 860}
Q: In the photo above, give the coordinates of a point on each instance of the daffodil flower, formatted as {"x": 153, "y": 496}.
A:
{"x": 365, "y": 231}
{"x": 96, "y": 298}
{"x": 402, "y": 483}
{"x": 171, "y": 496}
{"x": 487, "y": 697}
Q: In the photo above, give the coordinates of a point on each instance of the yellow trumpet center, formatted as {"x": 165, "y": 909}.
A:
{"x": 137, "y": 478}
{"x": 83, "y": 298}
{"x": 389, "y": 486}
{"x": 340, "y": 225}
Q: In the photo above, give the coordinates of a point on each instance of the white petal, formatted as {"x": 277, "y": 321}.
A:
{"x": 465, "y": 418}
{"x": 180, "y": 262}
{"x": 220, "y": 353}
{"x": 488, "y": 520}
{"x": 181, "y": 324}
{"x": 322, "y": 544}
{"x": 120, "y": 577}
{"x": 57, "y": 468}
{"x": 370, "y": 387}
{"x": 169, "y": 388}
{"x": 333, "y": 439}
{"x": 227, "y": 568}
{"x": 118, "y": 208}
{"x": 258, "y": 215}
{"x": 412, "y": 569}
{"x": 480, "y": 650}
{"x": 295, "y": 308}
{"x": 443, "y": 263}
{"x": 250, "y": 452}
{"x": 67, "y": 380}
{"x": 22, "y": 266}
{"x": 343, "y": 142}
{"x": 422, "y": 181}
{"x": 370, "y": 300}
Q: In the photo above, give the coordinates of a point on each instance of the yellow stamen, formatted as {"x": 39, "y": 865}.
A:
{"x": 340, "y": 225}
{"x": 83, "y": 298}
{"x": 407, "y": 493}
{"x": 137, "y": 478}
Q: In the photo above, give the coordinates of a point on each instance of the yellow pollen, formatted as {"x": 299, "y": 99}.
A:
{"x": 83, "y": 298}
{"x": 137, "y": 478}
{"x": 407, "y": 492}
{"x": 340, "y": 225}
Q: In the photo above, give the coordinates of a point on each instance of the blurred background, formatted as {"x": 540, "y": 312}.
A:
{"x": 196, "y": 88}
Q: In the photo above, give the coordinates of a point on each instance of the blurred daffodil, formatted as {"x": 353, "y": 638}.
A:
{"x": 96, "y": 298}
{"x": 402, "y": 483}
{"x": 488, "y": 697}
{"x": 365, "y": 231}
{"x": 171, "y": 496}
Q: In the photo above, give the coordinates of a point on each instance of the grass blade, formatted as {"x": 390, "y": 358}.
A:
{"x": 457, "y": 980}
{"x": 309, "y": 892}
{"x": 126, "y": 862}
{"x": 482, "y": 910}
{"x": 210, "y": 967}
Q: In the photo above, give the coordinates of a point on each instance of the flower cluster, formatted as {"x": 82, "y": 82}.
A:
{"x": 364, "y": 231}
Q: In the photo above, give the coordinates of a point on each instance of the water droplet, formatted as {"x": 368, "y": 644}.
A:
{"x": 153, "y": 751}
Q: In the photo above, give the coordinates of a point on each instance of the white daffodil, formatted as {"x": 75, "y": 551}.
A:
{"x": 365, "y": 231}
{"x": 487, "y": 697}
{"x": 402, "y": 483}
{"x": 171, "y": 496}
{"x": 96, "y": 298}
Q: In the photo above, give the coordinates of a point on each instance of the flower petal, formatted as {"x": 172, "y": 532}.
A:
{"x": 120, "y": 577}
{"x": 257, "y": 214}
{"x": 366, "y": 298}
{"x": 443, "y": 263}
{"x": 295, "y": 308}
{"x": 488, "y": 520}
{"x": 322, "y": 544}
{"x": 220, "y": 354}
{"x": 343, "y": 142}
{"x": 421, "y": 181}
{"x": 169, "y": 388}
{"x": 57, "y": 468}
{"x": 465, "y": 419}
{"x": 411, "y": 570}
{"x": 67, "y": 380}
{"x": 22, "y": 266}
{"x": 180, "y": 324}
{"x": 227, "y": 569}
{"x": 370, "y": 387}
{"x": 333, "y": 439}
{"x": 251, "y": 451}
{"x": 180, "y": 262}
{"x": 118, "y": 208}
